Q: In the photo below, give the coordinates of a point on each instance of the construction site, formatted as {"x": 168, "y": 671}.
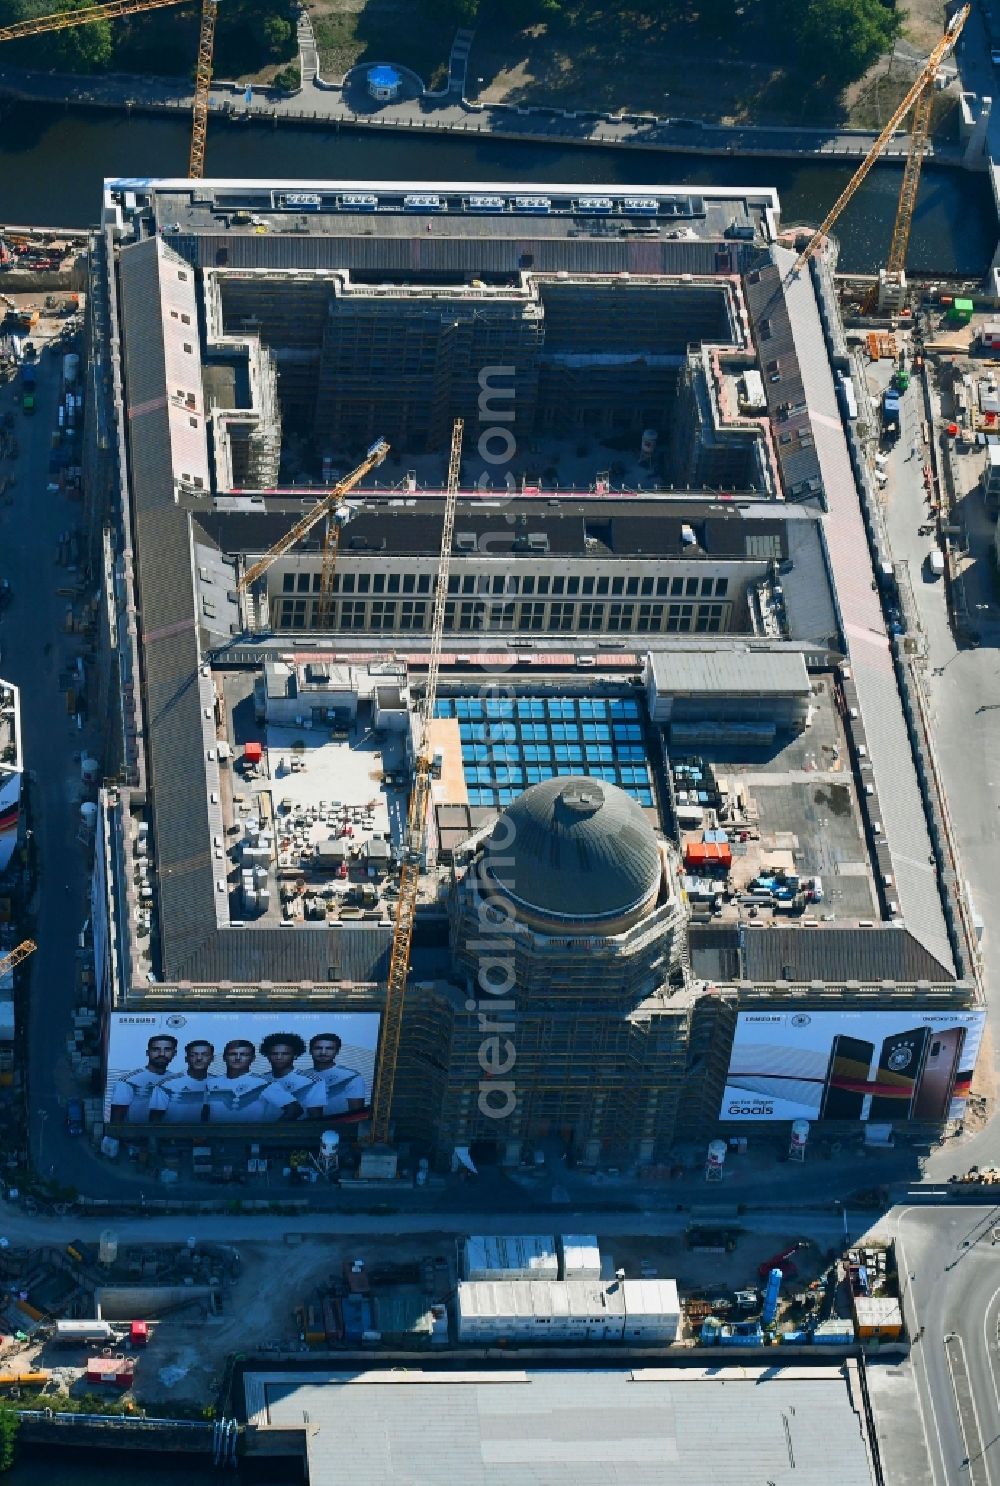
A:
{"x": 633, "y": 627}
{"x": 155, "y": 1325}
{"x": 471, "y": 513}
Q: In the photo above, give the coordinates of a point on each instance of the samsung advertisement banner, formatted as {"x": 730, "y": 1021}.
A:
{"x": 839, "y": 1065}
{"x": 240, "y": 1068}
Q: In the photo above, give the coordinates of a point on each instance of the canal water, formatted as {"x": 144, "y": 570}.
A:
{"x": 53, "y": 160}
{"x": 59, "y": 1467}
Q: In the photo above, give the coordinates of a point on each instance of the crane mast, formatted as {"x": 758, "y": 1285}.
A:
{"x": 202, "y": 88}
{"x": 323, "y": 507}
{"x": 923, "y": 85}
{"x": 919, "y": 129}
{"x": 416, "y": 825}
{"x": 111, "y": 10}
{"x": 20, "y": 952}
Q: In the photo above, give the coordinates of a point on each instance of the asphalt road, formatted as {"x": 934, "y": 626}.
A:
{"x": 21, "y": 1228}
{"x": 950, "y": 1270}
{"x": 963, "y": 688}
{"x": 938, "y": 1414}
{"x": 35, "y": 650}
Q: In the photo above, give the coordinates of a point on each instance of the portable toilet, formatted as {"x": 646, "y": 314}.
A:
{"x": 383, "y": 84}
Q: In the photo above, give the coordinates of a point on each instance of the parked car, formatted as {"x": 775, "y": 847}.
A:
{"x": 74, "y": 1117}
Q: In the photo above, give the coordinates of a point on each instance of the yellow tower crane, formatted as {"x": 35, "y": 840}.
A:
{"x": 111, "y": 11}
{"x": 202, "y": 89}
{"x": 920, "y": 93}
{"x": 65, "y": 20}
{"x": 21, "y": 952}
{"x": 338, "y": 518}
{"x": 416, "y": 827}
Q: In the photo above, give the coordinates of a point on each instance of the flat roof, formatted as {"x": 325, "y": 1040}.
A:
{"x": 625, "y": 525}
{"x": 733, "y": 671}
{"x": 800, "y": 809}
{"x": 313, "y": 787}
{"x": 589, "y": 1426}
{"x": 319, "y": 207}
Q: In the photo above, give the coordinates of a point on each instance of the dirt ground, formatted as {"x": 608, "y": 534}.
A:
{"x": 352, "y": 31}
{"x": 185, "y": 1360}
{"x": 602, "y": 60}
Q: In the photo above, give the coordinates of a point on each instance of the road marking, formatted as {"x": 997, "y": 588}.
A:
{"x": 996, "y": 1340}
{"x": 904, "y": 1268}
{"x": 977, "y": 1461}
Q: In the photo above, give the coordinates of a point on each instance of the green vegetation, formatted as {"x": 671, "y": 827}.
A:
{"x": 416, "y": 33}
{"x": 758, "y": 60}
{"x": 9, "y": 1425}
{"x": 252, "y": 37}
{"x": 288, "y": 79}
{"x": 838, "y": 40}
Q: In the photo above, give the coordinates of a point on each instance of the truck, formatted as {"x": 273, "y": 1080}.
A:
{"x": 935, "y": 563}
{"x": 76, "y": 1332}
{"x": 891, "y": 416}
{"x": 27, "y": 387}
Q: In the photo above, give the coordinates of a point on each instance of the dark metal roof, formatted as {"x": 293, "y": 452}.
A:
{"x": 438, "y": 255}
{"x": 835, "y": 954}
{"x": 574, "y": 847}
{"x": 830, "y": 955}
{"x": 168, "y": 635}
{"x": 628, "y": 528}
{"x": 715, "y": 952}
{"x": 192, "y": 945}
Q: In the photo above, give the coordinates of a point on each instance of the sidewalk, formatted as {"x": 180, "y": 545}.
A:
{"x": 346, "y": 103}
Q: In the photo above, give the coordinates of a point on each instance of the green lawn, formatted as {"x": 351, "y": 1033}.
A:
{"x": 382, "y": 32}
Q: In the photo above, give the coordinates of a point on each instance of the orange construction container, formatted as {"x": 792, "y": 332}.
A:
{"x": 708, "y": 854}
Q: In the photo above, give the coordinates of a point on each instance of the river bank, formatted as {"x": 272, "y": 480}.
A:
{"x": 56, "y": 157}
{"x": 347, "y": 105}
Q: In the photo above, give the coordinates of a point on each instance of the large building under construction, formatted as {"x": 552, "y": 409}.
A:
{"x": 685, "y": 867}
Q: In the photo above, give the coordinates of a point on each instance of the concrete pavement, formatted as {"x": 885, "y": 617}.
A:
{"x": 21, "y": 1228}
{"x": 950, "y": 1271}
{"x": 963, "y": 687}
{"x": 345, "y": 103}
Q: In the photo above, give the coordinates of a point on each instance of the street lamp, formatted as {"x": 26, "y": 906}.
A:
{"x": 43, "y": 1115}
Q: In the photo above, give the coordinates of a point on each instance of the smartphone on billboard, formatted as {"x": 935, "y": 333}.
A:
{"x": 937, "y": 1081}
{"x": 900, "y": 1065}
{"x": 849, "y": 1068}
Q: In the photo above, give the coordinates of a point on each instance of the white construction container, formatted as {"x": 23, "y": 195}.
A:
{"x": 580, "y": 1255}
{"x": 540, "y": 1311}
{"x": 568, "y": 1311}
{"x": 526, "y": 1256}
{"x": 652, "y": 1310}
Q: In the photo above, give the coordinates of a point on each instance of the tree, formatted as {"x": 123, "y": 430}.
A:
{"x": 9, "y": 1425}
{"x": 275, "y": 33}
{"x": 459, "y": 11}
{"x": 80, "y": 48}
{"x": 840, "y": 39}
